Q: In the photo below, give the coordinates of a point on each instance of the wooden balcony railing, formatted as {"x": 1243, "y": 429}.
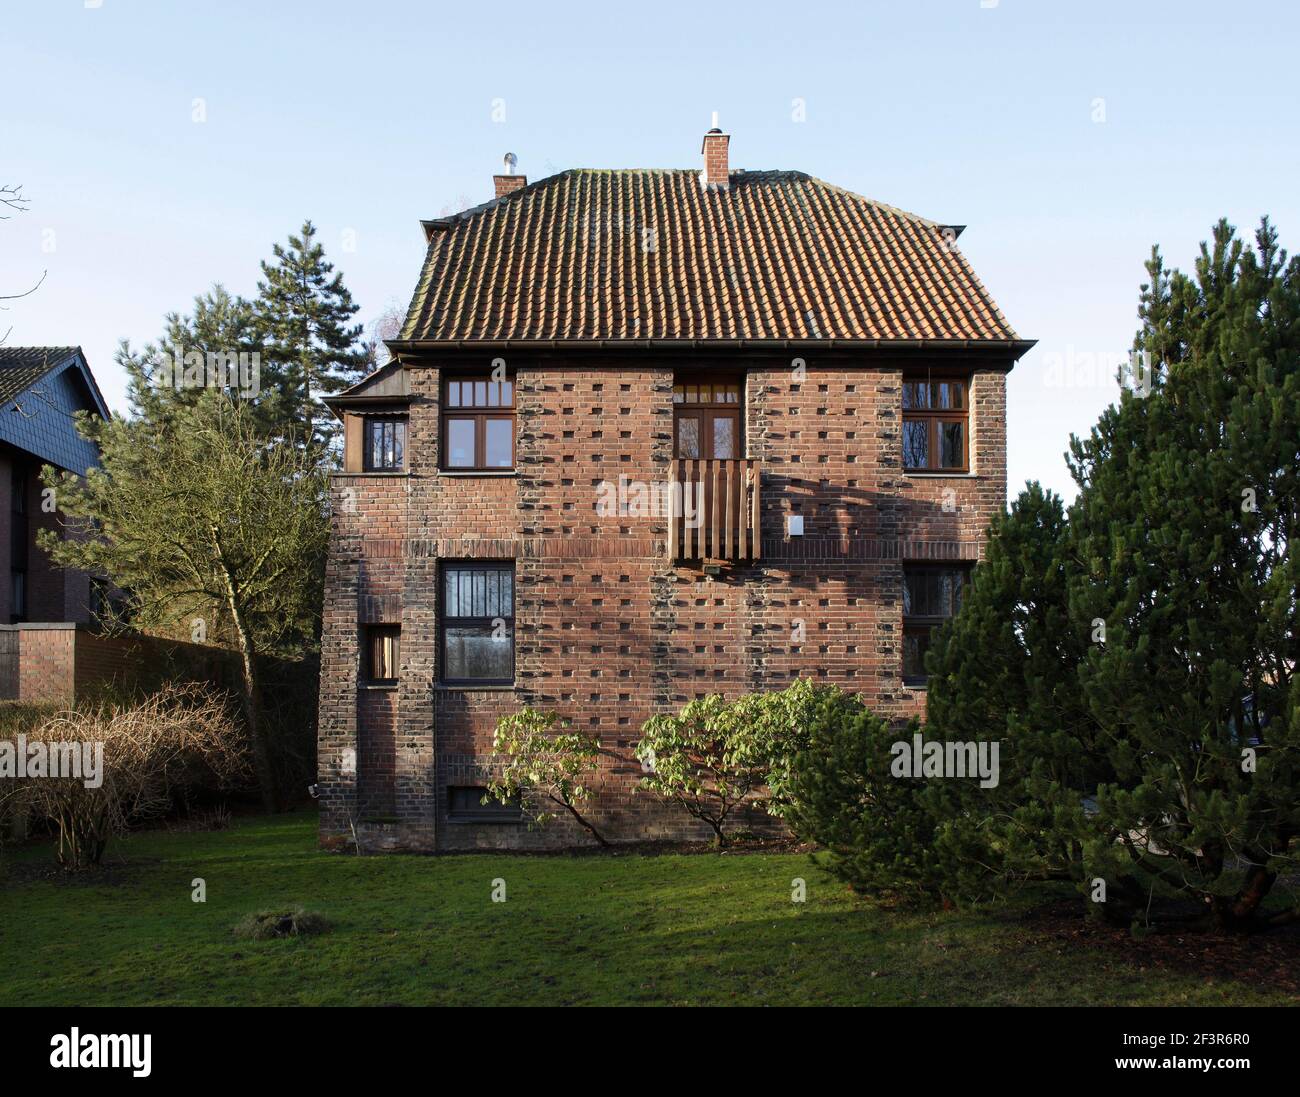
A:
{"x": 718, "y": 516}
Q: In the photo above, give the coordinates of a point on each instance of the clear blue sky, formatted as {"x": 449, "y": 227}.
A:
{"x": 367, "y": 117}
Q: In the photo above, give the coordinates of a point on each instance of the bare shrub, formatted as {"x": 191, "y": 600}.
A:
{"x": 266, "y": 925}
{"x": 182, "y": 735}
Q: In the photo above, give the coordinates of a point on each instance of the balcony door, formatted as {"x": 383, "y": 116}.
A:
{"x": 706, "y": 420}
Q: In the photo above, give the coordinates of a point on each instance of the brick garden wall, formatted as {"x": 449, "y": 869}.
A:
{"x": 608, "y": 631}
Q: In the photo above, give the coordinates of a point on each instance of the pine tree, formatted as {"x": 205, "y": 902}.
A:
{"x": 1182, "y": 532}
{"x": 310, "y": 348}
{"x": 220, "y": 329}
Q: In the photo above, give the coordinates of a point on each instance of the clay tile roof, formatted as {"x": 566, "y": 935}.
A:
{"x": 652, "y": 255}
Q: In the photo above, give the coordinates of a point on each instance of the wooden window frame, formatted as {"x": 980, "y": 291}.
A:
{"x": 706, "y": 411}
{"x": 368, "y": 422}
{"x": 474, "y": 622}
{"x": 934, "y": 417}
{"x": 926, "y": 623}
{"x": 479, "y": 415}
{"x": 371, "y": 634}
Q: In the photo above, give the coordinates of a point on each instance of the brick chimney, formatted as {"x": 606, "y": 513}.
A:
{"x": 716, "y": 171}
{"x": 510, "y": 182}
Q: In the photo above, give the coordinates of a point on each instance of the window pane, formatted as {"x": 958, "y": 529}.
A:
{"x": 494, "y": 394}
{"x": 460, "y": 443}
{"x": 678, "y": 395}
{"x": 399, "y": 444}
{"x": 688, "y": 438}
{"x": 498, "y": 443}
{"x": 916, "y": 443}
{"x": 692, "y": 394}
{"x": 453, "y": 394}
{"x": 480, "y": 594}
{"x": 474, "y": 653}
{"x": 916, "y": 642}
{"x": 452, "y": 599}
{"x": 916, "y": 394}
{"x": 480, "y": 394}
{"x": 952, "y": 447}
{"x": 724, "y": 437}
{"x": 507, "y": 394}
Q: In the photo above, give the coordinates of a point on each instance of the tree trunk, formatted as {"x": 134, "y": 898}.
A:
{"x": 250, "y": 696}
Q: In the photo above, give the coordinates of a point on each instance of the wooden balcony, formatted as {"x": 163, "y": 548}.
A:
{"x": 718, "y": 518}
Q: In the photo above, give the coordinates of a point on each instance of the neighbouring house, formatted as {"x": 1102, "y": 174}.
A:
{"x": 648, "y": 435}
{"x": 41, "y": 389}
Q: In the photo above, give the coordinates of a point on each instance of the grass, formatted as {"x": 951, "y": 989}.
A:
{"x": 692, "y": 929}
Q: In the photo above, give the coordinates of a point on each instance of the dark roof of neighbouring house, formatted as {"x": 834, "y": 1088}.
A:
{"x": 22, "y": 367}
{"x": 652, "y": 255}
{"x": 41, "y": 390}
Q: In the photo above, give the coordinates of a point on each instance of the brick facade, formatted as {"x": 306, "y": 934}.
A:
{"x": 609, "y": 630}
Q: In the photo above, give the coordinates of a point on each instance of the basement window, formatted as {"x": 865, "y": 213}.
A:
{"x": 465, "y": 805}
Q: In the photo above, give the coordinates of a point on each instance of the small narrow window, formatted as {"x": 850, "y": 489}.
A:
{"x": 383, "y": 654}
{"x": 936, "y": 425}
{"x": 385, "y": 444}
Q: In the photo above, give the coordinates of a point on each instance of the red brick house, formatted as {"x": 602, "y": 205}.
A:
{"x": 817, "y": 377}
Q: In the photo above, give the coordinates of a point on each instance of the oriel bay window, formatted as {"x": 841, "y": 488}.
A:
{"x": 936, "y": 424}
{"x": 477, "y": 621}
{"x": 385, "y": 444}
{"x": 931, "y": 595}
{"x": 706, "y": 419}
{"x": 478, "y": 424}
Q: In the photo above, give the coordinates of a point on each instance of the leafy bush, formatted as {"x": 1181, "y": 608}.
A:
{"x": 544, "y": 766}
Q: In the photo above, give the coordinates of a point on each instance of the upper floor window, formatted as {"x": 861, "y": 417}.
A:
{"x": 706, "y": 419}
{"x": 478, "y": 424}
{"x": 930, "y": 596}
{"x": 385, "y": 444}
{"x": 478, "y": 623}
{"x": 935, "y": 425}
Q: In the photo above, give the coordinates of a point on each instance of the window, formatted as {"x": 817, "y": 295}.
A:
{"x": 935, "y": 425}
{"x": 478, "y": 424}
{"x": 18, "y": 596}
{"x": 478, "y": 624}
{"x": 385, "y": 445}
{"x": 930, "y": 596}
{"x": 465, "y": 804}
{"x": 383, "y": 654}
{"x": 18, "y": 536}
{"x": 706, "y": 419}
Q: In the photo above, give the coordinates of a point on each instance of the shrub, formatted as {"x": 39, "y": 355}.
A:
{"x": 704, "y": 760}
{"x": 545, "y": 767}
{"x": 268, "y": 925}
{"x": 142, "y": 751}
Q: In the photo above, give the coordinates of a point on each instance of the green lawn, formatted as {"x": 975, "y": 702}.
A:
{"x": 670, "y": 929}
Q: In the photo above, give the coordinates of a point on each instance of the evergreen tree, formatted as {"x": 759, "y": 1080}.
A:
{"x": 310, "y": 349}
{"x": 1182, "y": 534}
{"x": 191, "y": 355}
